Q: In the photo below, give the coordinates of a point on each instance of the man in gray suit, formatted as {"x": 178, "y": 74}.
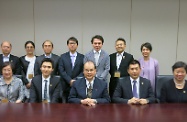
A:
{"x": 47, "y": 47}
{"x": 134, "y": 89}
{"x": 99, "y": 57}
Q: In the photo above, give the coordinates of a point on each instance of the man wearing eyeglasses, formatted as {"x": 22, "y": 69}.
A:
{"x": 89, "y": 90}
{"x": 70, "y": 66}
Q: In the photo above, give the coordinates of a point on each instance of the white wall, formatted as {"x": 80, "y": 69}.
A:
{"x": 163, "y": 23}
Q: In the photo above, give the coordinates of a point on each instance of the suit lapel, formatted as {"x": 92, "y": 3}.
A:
{"x": 1, "y": 59}
{"x": 95, "y": 88}
{"x": 123, "y": 59}
{"x": 130, "y": 88}
{"x": 141, "y": 87}
{"x": 68, "y": 59}
{"x": 82, "y": 88}
{"x": 100, "y": 58}
{"x": 77, "y": 59}
{"x": 40, "y": 87}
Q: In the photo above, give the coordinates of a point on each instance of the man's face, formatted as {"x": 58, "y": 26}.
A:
{"x": 97, "y": 44}
{"x": 46, "y": 69}
{"x": 134, "y": 71}
{"x": 72, "y": 45}
{"x": 89, "y": 71}
{"x": 6, "y": 48}
{"x": 47, "y": 47}
{"x": 120, "y": 46}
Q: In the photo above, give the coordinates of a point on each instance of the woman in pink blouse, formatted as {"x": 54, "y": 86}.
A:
{"x": 149, "y": 65}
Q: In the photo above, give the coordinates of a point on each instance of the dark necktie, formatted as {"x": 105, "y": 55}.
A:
{"x": 89, "y": 91}
{"x": 45, "y": 90}
{"x": 135, "y": 94}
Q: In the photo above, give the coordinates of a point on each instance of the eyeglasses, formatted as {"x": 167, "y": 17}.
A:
{"x": 31, "y": 47}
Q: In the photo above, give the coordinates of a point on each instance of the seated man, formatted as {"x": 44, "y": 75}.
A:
{"x": 89, "y": 90}
{"x": 45, "y": 87}
{"x": 134, "y": 89}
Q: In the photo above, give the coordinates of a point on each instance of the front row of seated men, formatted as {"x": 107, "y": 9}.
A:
{"x": 90, "y": 90}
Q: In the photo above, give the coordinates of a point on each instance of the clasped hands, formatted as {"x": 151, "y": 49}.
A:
{"x": 138, "y": 101}
{"x": 88, "y": 101}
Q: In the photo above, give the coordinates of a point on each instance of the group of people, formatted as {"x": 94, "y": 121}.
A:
{"x": 77, "y": 78}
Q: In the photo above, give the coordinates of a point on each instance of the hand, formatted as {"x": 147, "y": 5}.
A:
{"x": 18, "y": 101}
{"x": 143, "y": 101}
{"x": 28, "y": 85}
{"x": 88, "y": 101}
{"x": 133, "y": 101}
{"x": 71, "y": 82}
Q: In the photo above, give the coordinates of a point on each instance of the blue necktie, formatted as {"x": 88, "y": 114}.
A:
{"x": 135, "y": 94}
{"x": 45, "y": 90}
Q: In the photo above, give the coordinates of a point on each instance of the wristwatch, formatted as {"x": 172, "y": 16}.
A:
{"x": 95, "y": 101}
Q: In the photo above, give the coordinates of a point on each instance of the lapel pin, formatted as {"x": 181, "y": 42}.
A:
{"x": 184, "y": 92}
{"x": 123, "y": 57}
{"x": 50, "y": 84}
{"x": 142, "y": 83}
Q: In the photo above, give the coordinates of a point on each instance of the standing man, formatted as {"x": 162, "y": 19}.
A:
{"x": 47, "y": 47}
{"x": 6, "y": 48}
{"x": 99, "y": 57}
{"x": 70, "y": 66}
{"x": 134, "y": 89}
{"x": 119, "y": 62}
{"x": 45, "y": 88}
{"x": 89, "y": 90}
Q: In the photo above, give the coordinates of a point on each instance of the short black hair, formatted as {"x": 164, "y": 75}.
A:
{"x": 29, "y": 42}
{"x": 147, "y": 45}
{"x": 97, "y": 37}
{"x": 48, "y": 60}
{"x": 179, "y": 64}
{"x": 8, "y": 63}
{"x": 121, "y": 39}
{"x": 134, "y": 62}
{"x": 72, "y": 39}
{"x": 47, "y": 41}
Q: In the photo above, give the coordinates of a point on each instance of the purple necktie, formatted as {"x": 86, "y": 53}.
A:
{"x": 135, "y": 94}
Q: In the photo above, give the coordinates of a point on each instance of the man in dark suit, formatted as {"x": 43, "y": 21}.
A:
{"x": 45, "y": 87}
{"x": 70, "y": 66}
{"x": 47, "y": 47}
{"x": 89, "y": 90}
{"x": 119, "y": 62}
{"x": 134, "y": 89}
{"x": 7, "y": 57}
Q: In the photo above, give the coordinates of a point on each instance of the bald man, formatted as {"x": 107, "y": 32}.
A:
{"x": 6, "y": 48}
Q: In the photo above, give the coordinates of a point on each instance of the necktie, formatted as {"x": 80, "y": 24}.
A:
{"x": 89, "y": 91}
{"x": 45, "y": 90}
{"x": 135, "y": 94}
{"x": 72, "y": 61}
{"x": 96, "y": 56}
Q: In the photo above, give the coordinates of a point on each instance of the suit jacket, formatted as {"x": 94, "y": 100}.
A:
{"x": 24, "y": 66}
{"x": 16, "y": 63}
{"x": 123, "y": 90}
{"x": 170, "y": 94}
{"x": 66, "y": 71}
{"x": 36, "y": 89}
{"x": 99, "y": 92}
{"x": 38, "y": 62}
{"x": 127, "y": 58}
{"x": 103, "y": 65}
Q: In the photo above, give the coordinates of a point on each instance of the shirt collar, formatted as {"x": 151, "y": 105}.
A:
{"x": 87, "y": 82}
{"x": 7, "y": 55}
{"x": 49, "y": 56}
{"x": 75, "y": 54}
{"x": 48, "y": 79}
{"x": 137, "y": 80}
{"x": 97, "y": 51}
{"x": 117, "y": 54}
